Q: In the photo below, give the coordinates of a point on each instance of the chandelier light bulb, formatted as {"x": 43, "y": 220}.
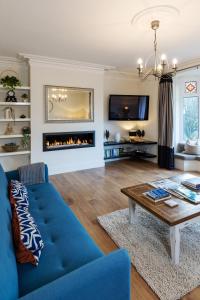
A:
{"x": 174, "y": 62}
{"x": 159, "y": 67}
{"x": 139, "y": 61}
{"x": 163, "y": 57}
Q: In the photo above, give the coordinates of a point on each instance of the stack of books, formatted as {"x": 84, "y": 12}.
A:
{"x": 157, "y": 195}
{"x": 193, "y": 183}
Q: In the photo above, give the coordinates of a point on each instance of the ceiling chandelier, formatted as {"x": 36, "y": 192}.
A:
{"x": 160, "y": 63}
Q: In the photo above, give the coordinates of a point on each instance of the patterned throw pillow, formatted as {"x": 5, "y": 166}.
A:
{"x": 27, "y": 239}
{"x": 19, "y": 193}
{"x": 29, "y": 233}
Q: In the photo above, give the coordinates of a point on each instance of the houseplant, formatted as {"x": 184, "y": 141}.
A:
{"x": 24, "y": 97}
{"x": 10, "y": 82}
{"x": 25, "y": 141}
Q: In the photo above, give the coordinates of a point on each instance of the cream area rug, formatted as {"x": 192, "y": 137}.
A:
{"x": 147, "y": 241}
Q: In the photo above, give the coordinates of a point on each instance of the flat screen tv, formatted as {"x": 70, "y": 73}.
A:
{"x": 128, "y": 107}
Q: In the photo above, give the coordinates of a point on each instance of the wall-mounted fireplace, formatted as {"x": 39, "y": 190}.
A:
{"x": 68, "y": 140}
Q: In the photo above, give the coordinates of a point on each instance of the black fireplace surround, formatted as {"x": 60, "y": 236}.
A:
{"x": 53, "y": 141}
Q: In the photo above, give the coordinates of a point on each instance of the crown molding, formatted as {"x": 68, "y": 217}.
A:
{"x": 189, "y": 63}
{"x": 9, "y": 59}
{"x": 121, "y": 74}
{"x": 31, "y": 58}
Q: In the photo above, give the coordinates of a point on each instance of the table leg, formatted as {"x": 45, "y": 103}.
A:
{"x": 132, "y": 206}
{"x": 175, "y": 244}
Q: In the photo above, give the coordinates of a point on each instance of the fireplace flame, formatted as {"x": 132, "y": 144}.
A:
{"x": 69, "y": 141}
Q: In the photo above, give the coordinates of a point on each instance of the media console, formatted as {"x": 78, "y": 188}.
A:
{"x": 128, "y": 149}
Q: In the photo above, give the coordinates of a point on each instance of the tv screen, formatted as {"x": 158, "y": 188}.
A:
{"x": 128, "y": 107}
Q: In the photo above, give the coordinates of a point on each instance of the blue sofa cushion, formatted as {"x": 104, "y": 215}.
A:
{"x": 67, "y": 244}
{"x": 18, "y": 191}
{"x": 8, "y": 274}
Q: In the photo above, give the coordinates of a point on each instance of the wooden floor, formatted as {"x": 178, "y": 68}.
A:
{"x": 91, "y": 193}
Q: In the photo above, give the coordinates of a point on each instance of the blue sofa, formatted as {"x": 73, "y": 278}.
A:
{"x": 71, "y": 266}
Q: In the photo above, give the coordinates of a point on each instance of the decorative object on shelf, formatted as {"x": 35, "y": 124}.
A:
{"x": 10, "y": 147}
{"x": 22, "y": 116}
{"x": 11, "y": 96}
{"x": 26, "y": 130}
{"x": 139, "y": 133}
{"x": 136, "y": 134}
{"x": 107, "y": 135}
{"x": 9, "y": 82}
{"x": 64, "y": 104}
{"x": 25, "y": 141}
{"x": 160, "y": 64}
{"x": 9, "y": 113}
{"x": 117, "y": 137}
{"x": 192, "y": 147}
{"x": 132, "y": 134}
{"x": 24, "y": 97}
{"x": 143, "y": 133}
{"x": 9, "y": 129}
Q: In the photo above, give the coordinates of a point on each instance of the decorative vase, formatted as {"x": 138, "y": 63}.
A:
{"x": 9, "y": 113}
{"x": 117, "y": 137}
{"x": 107, "y": 135}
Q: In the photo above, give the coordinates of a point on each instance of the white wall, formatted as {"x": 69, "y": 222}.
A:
{"x": 122, "y": 83}
{"x": 49, "y": 72}
{"x": 127, "y": 84}
{"x": 72, "y": 76}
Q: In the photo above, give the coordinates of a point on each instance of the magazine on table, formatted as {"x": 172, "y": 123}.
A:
{"x": 157, "y": 195}
{"x": 188, "y": 194}
{"x": 177, "y": 190}
{"x": 193, "y": 183}
{"x": 167, "y": 185}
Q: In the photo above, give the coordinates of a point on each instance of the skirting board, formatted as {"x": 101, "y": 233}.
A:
{"x": 65, "y": 168}
{"x": 187, "y": 165}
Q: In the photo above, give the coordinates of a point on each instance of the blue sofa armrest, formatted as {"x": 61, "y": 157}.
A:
{"x": 106, "y": 278}
{"x": 15, "y": 174}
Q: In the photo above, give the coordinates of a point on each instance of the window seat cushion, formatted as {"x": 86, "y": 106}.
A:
{"x": 185, "y": 156}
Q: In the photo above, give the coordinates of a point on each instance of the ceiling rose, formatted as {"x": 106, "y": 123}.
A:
{"x": 161, "y": 12}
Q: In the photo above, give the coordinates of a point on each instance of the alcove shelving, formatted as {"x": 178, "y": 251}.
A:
{"x": 21, "y": 118}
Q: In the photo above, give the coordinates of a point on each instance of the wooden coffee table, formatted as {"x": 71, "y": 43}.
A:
{"x": 177, "y": 217}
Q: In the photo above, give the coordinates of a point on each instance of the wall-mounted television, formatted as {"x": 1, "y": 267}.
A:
{"x": 128, "y": 107}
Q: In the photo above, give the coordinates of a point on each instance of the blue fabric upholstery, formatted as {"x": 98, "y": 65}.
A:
{"x": 8, "y": 269}
{"x": 106, "y": 278}
{"x": 67, "y": 245}
{"x": 71, "y": 265}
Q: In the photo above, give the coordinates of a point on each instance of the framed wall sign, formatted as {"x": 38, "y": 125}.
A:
{"x": 66, "y": 104}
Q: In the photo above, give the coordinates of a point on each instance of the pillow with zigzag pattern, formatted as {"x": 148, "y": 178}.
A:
{"x": 26, "y": 235}
{"x": 19, "y": 192}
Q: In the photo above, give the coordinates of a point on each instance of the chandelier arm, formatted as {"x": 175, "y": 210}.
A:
{"x": 155, "y": 49}
{"x": 159, "y": 65}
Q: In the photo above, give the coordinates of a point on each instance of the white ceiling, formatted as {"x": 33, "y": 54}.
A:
{"x": 98, "y": 31}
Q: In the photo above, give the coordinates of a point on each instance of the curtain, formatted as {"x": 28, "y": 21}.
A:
{"x": 165, "y": 123}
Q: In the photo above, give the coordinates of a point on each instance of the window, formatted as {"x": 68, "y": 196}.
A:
{"x": 187, "y": 109}
{"x": 190, "y": 118}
